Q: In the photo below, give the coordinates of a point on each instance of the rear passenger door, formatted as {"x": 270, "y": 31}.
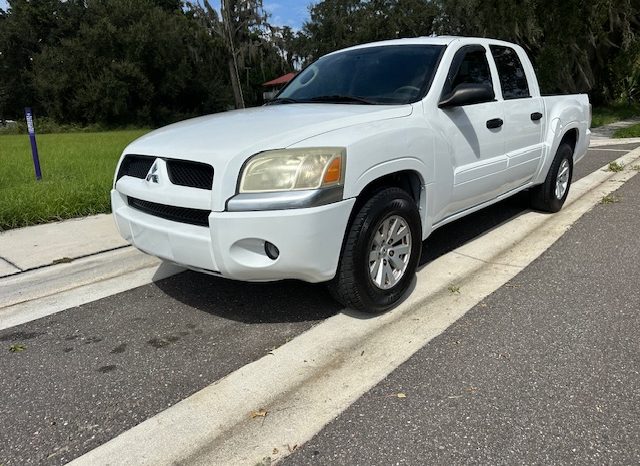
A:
{"x": 523, "y": 117}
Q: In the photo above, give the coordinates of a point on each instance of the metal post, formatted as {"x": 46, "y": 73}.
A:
{"x": 32, "y": 137}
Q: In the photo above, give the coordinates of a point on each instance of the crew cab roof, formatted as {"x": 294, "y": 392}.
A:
{"x": 430, "y": 40}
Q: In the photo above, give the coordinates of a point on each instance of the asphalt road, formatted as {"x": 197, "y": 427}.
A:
{"x": 546, "y": 370}
{"x": 91, "y": 372}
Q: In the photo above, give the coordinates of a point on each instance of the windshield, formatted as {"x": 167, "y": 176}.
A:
{"x": 391, "y": 74}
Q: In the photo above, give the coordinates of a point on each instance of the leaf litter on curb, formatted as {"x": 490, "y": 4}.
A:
{"x": 17, "y": 347}
{"x": 393, "y": 395}
{"x": 259, "y": 413}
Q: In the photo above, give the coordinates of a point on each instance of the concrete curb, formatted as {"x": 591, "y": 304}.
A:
{"x": 41, "y": 292}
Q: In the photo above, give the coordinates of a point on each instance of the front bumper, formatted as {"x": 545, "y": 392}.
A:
{"x": 309, "y": 240}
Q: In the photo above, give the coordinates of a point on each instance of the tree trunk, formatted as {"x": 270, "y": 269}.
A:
{"x": 235, "y": 84}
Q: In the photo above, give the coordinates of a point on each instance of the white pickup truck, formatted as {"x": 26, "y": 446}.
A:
{"x": 344, "y": 175}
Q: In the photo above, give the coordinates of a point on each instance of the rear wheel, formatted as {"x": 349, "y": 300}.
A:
{"x": 550, "y": 195}
{"x": 381, "y": 253}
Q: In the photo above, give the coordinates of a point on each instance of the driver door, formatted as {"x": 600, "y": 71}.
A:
{"x": 474, "y": 134}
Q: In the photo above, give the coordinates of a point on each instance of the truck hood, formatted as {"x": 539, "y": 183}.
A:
{"x": 218, "y": 138}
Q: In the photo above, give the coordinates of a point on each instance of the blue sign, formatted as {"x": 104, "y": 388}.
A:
{"x": 32, "y": 137}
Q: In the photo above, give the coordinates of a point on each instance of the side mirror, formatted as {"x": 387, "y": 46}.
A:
{"x": 467, "y": 94}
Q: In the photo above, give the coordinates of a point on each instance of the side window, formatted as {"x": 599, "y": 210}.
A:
{"x": 473, "y": 69}
{"x": 512, "y": 78}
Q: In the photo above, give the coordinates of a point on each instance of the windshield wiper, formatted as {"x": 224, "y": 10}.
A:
{"x": 282, "y": 100}
{"x": 340, "y": 99}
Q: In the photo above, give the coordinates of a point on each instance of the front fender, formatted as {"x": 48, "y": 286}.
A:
{"x": 381, "y": 148}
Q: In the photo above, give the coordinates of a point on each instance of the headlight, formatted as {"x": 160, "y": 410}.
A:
{"x": 293, "y": 169}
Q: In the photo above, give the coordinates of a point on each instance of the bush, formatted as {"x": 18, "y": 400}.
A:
{"x": 604, "y": 115}
{"x": 45, "y": 125}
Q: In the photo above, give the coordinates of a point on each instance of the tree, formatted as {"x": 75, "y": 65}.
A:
{"x": 25, "y": 29}
{"x": 131, "y": 63}
{"x": 335, "y": 24}
{"x": 241, "y": 26}
{"x": 573, "y": 43}
{"x": 288, "y": 46}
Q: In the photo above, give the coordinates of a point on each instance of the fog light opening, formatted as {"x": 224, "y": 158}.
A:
{"x": 271, "y": 250}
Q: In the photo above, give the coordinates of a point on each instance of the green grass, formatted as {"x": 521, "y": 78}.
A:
{"x": 615, "y": 167}
{"x": 77, "y": 172}
{"x": 612, "y": 113}
{"x": 609, "y": 199}
{"x": 629, "y": 132}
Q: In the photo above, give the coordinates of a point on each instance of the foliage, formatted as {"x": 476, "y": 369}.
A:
{"x": 248, "y": 52}
{"x": 573, "y": 43}
{"x": 131, "y": 62}
{"x": 609, "y": 199}
{"x": 45, "y": 125}
{"x": 629, "y": 132}
{"x": 148, "y": 62}
{"x": 615, "y": 167}
{"x": 336, "y": 24}
{"x": 606, "y": 114}
{"x": 576, "y": 46}
{"x": 77, "y": 171}
{"x": 123, "y": 62}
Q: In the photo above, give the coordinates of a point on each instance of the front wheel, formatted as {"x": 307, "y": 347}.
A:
{"x": 381, "y": 253}
{"x": 550, "y": 195}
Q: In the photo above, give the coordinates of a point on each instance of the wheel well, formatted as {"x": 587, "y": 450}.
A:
{"x": 571, "y": 138}
{"x": 407, "y": 180}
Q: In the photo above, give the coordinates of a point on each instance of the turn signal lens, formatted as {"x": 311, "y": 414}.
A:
{"x": 333, "y": 172}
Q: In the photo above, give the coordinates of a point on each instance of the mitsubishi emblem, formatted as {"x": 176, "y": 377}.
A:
{"x": 152, "y": 176}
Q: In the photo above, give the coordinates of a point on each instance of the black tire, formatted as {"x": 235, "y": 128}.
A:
{"x": 353, "y": 285}
{"x": 543, "y": 197}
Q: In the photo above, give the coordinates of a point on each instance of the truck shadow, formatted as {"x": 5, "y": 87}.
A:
{"x": 472, "y": 226}
{"x": 253, "y": 303}
{"x": 295, "y": 301}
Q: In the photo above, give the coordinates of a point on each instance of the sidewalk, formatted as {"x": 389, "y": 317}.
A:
{"x": 607, "y": 131}
{"x": 29, "y": 248}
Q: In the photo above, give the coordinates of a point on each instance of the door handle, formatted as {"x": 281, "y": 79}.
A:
{"x": 536, "y": 116}
{"x": 495, "y": 123}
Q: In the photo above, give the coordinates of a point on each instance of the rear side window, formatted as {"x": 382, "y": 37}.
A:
{"x": 512, "y": 78}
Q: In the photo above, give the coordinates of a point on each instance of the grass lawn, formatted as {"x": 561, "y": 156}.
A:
{"x": 612, "y": 113}
{"x": 77, "y": 173}
{"x": 630, "y": 132}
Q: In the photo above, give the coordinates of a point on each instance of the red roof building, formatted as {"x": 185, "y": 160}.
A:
{"x": 281, "y": 81}
{"x": 275, "y": 85}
